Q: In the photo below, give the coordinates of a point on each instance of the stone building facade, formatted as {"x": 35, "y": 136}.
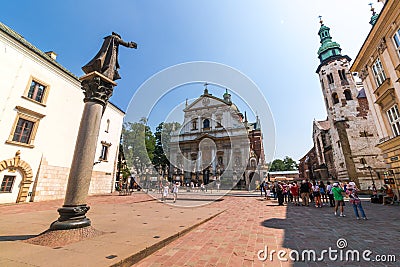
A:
{"x": 352, "y": 131}
{"x": 40, "y": 112}
{"x": 325, "y": 167}
{"x": 378, "y": 66}
{"x": 216, "y": 142}
{"x": 307, "y": 164}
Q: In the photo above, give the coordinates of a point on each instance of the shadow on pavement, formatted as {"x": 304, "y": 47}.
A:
{"x": 310, "y": 228}
{"x": 15, "y": 237}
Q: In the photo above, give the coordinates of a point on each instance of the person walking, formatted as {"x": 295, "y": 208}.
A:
{"x": 330, "y": 194}
{"x": 175, "y": 190}
{"x": 279, "y": 194}
{"x": 304, "y": 193}
{"x": 268, "y": 190}
{"x": 261, "y": 187}
{"x": 338, "y": 196}
{"x": 322, "y": 190}
{"x": 351, "y": 192}
{"x": 165, "y": 192}
{"x": 294, "y": 191}
{"x": 317, "y": 195}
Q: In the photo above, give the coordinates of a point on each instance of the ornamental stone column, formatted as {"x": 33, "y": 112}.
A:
{"x": 97, "y": 89}
{"x": 98, "y": 85}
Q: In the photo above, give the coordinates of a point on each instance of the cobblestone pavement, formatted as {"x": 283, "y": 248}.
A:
{"x": 251, "y": 223}
{"x": 114, "y": 198}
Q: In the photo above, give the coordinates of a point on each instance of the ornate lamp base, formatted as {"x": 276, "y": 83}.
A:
{"x": 71, "y": 217}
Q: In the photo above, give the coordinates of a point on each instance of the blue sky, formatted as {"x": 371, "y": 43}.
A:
{"x": 274, "y": 43}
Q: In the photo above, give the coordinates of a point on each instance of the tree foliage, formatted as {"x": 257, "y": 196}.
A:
{"x": 138, "y": 143}
{"x": 287, "y": 164}
{"x": 162, "y": 139}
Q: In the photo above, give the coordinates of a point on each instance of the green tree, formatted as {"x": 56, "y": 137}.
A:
{"x": 277, "y": 165}
{"x": 138, "y": 143}
{"x": 287, "y": 164}
{"x": 290, "y": 164}
{"x": 162, "y": 139}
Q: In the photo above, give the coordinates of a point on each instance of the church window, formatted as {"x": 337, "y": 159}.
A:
{"x": 206, "y": 123}
{"x": 335, "y": 98}
{"x": 330, "y": 78}
{"x": 394, "y": 119}
{"x": 396, "y": 39}
{"x": 342, "y": 74}
{"x": 194, "y": 124}
{"x": 7, "y": 183}
{"x": 326, "y": 102}
{"x": 347, "y": 94}
{"x": 36, "y": 91}
{"x": 378, "y": 71}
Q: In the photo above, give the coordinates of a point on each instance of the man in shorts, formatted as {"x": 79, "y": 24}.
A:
{"x": 339, "y": 200}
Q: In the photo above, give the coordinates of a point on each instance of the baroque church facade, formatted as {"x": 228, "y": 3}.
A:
{"x": 216, "y": 143}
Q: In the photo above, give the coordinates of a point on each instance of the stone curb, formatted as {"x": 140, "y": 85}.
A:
{"x": 135, "y": 258}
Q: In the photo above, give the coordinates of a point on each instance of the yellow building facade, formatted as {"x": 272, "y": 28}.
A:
{"x": 378, "y": 66}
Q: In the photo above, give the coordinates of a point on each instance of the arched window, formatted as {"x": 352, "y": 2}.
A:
{"x": 335, "y": 98}
{"x": 347, "y": 94}
{"x": 206, "y": 123}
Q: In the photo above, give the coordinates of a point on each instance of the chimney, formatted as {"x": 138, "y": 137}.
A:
{"x": 51, "y": 54}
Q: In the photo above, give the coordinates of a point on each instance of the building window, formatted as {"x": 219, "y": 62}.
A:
{"x": 330, "y": 78}
{"x": 342, "y": 75}
{"x": 206, "y": 123}
{"x": 23, "y": 131}
{"x": 7, "y": 184}
{"x": 335, "y": 98}
{"x": 25, "y": 127}
{"x": 394, "y": 119}
{"x": 104, "y": 151}
{"x": 36, "y": 91}
{"x": 107, "y": 126}
{"x": 378, "y": 72}
{"x": 347, "y": 94}
{"x": 194, "y": 124}
{"x": 396, "y": 39}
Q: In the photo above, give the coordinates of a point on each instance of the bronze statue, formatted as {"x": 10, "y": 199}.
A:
{"x": 106, "y": 60}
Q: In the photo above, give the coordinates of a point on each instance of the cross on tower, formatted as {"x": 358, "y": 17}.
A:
{"x": 320, "y": 19}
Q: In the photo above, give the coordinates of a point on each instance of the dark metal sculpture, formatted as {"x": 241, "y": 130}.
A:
{"x": 106, "y": 60}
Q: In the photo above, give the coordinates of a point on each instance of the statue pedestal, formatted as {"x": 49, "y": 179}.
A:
{"x": 97, "y": 89}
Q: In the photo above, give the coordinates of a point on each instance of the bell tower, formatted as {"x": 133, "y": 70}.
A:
{"x": 352, "y": 131}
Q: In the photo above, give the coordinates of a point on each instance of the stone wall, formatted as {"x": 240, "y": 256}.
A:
{"x": 51, "y": 182}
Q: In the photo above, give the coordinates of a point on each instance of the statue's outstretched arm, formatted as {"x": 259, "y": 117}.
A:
{"x": 127, "y": 44}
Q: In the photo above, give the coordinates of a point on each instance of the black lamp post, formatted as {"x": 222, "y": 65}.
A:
{"x": 372, "y": 178}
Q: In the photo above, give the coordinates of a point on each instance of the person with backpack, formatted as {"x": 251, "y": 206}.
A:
{"x": 338, "y": 196}
{"x": 317, "y": 195}
{"x": 330, "y": 194}
{"x": 304, "y": 193}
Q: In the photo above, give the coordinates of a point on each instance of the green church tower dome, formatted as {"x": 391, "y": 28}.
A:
{"x": 328, "y": 48}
